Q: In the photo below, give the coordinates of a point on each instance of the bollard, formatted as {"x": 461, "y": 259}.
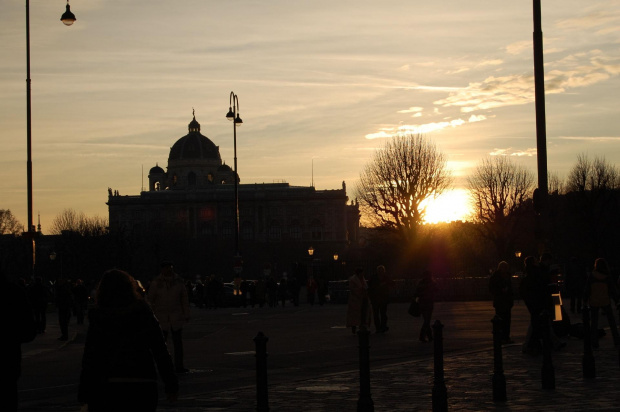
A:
{"x": 364, "y": 403}
{"x": 262, "y": 395}
{"x": 548, "y": 372}
{"x": 587, "y": 363}
{"x": 440, "y": 393}
{"x": 499, "y": 380}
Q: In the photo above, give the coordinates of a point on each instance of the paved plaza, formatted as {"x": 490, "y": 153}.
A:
{"x": 399, "y": 381}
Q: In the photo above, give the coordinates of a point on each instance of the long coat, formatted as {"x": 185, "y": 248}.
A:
{"x": 358, "y": 301}
{"x": 168, "y": 298}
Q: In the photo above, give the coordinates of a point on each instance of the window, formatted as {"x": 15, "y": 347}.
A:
{"x": 295, "y": 230}
{"x": 275, "y": 232}
{"x": 317, "y": 229}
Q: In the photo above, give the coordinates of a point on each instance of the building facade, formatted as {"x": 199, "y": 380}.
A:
{"x": 188, "y": 214}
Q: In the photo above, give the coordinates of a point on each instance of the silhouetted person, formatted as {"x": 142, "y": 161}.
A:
{"x": 168, "y": 297}
{"x": 252, "y": 292}
{"x": 358, "y": 305}
{"x": 80, "y": 299}
{"x": 282, "y": 291}
{"x": 293, "y": 289}
{"x": 600, "y": 291}
{"x": 243, "y": 288}
{"x": 64, "y": 304}
{"x": 379, "y": 293}
{"x": 261, "y": 292}
{"x": 500, "y": 286}
{"x": 18, "y": 327}
{"x": 39, "y": 297}
{"x": 272, "y": 291}
{"x": 124, "y": 344}
{"x": 321, "y": 289}
{"x": 425, "y": 294}
{"x": 576, "y": 277}
{"x": 311, "y": 288}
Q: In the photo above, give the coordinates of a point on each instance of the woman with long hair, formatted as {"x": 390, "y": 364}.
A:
{"x": 600, "y": 292}
{"x": 124, "y": 344}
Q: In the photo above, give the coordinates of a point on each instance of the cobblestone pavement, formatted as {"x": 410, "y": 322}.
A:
{"x": 409, "y": 385}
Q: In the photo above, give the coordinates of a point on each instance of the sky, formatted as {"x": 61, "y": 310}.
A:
{"x": 321, "y": 85}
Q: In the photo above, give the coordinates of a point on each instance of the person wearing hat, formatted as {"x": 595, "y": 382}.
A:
{"x": 168, "y": 298}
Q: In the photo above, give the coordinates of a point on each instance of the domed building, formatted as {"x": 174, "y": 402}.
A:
{"x": 188, "y": 214}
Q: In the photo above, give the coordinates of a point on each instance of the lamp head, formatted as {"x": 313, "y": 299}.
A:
{"x": 230, "y": 115}
{"x": 238, "y": 119}
{"x": 68, "y": 18}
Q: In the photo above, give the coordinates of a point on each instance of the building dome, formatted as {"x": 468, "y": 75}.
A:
{"x": 194, "y": 146}
{"x": 156, "y": 170}
{"x": 224, "y": 168}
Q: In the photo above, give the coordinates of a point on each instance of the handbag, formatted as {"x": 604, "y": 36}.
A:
{"x": 414, "y": 308}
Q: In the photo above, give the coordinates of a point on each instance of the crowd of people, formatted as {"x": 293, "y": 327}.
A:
{"x": 128, "y": 325}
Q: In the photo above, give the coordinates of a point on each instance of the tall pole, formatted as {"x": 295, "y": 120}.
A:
{"x": 29, "y": 234}
{"x": 539, "y": 84}
{"x": 233, "y": 114}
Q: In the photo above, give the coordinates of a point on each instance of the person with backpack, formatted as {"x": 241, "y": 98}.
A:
{"x": 600, "y": 291}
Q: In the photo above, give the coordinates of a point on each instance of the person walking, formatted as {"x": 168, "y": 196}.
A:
{"x": 18, "y": 327}
{"x": 64, "y": 304}
{"x": 80, "y": 300}
{"x": 124, "y": 344}
{"x": 576, "y": 277}
{"x": 379, "y": 293}
{"x": 168, "y": 297}
{"x": 425, "y": 294}
{"x": 358, "y": 305}
{"x": 500, "y": 286}
{"x": 311, "y": 288}
{"x": 600, "y": 291}
{"x": 39, "y": 295}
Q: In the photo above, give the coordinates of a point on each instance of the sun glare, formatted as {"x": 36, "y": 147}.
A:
{"x": 450, "y": 206}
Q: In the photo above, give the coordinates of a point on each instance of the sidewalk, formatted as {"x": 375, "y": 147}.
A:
{"x": 408, "y": 386}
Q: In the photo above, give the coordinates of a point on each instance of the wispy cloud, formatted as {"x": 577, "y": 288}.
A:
{"x": 388, "y": 132}
{"x": 511, "y": 152}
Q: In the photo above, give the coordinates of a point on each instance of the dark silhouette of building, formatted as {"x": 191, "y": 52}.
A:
{"x": 188, "y": 214}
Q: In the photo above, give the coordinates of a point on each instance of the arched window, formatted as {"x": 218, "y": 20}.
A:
{"x": 295, "y": 230}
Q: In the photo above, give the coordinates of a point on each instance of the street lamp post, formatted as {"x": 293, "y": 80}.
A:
{"x": 541, "y": 193}
{"x": 68, "y": 19}
{"x": 233, "y": 115}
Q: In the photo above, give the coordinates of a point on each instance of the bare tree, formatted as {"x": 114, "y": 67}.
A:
{"x": 499, "y": 189}
{"x": 71, "y": 220}
{"x": 9, "y": 225}
{"x": 400, "y": 176}
{"x": 592, "y": 175}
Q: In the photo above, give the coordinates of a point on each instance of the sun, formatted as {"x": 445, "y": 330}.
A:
{"x": 448, "y": 207}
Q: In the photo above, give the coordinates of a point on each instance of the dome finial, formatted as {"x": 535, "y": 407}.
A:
{"x": 194, "y": 126}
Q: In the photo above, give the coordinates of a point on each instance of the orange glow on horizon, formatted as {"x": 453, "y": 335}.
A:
{"x": 451, "y": 206}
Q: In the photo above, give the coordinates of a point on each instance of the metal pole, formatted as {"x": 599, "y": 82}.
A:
{"x": 236, "y": 178}
{"x": 548, "y": 371}
{"x": 587, "y": 363}
{"x": 440, "y": 393}
{"x": 364, "y": 402}
{"x": 29, "y": 233}
{"x": 262, "y": 393}
{"x": 539, "y": 84}
{"x": 499, "y": 380}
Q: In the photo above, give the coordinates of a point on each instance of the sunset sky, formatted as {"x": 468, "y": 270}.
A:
{"x": 321, "y": 84}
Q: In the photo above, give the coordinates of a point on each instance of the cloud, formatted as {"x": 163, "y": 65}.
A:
{"x": 476, "y": 118}
{"x": 388, "y": 132}
{"x": 414, "y": 109}
{"x": 519, "y": 47}
{"x": 574, "y": 71}
{"x": 510, "y": 152}
{"x": 591, "y": 138}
